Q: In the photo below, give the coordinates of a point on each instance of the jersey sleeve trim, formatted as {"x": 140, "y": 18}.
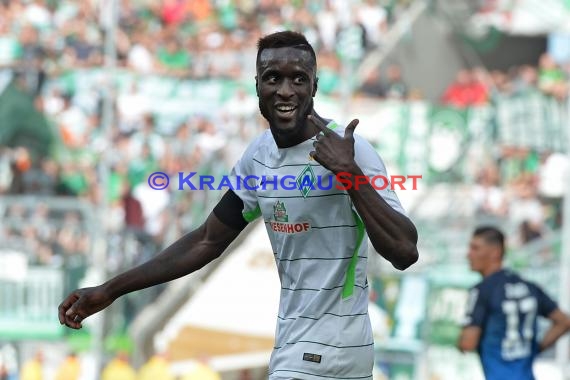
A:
{"x": 251, "y": 215}
{"x": 332, "y": 125}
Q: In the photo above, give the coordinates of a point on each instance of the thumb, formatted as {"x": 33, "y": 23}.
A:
{"x": 349, "y": 130}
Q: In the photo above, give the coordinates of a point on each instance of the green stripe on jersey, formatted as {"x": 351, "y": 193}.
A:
{"x": 348, "y": 288}
{"x": 250, "y": 216}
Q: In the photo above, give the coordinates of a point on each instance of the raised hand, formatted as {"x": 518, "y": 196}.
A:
{"x": 334, "y": 152}
{"x": 82, "y": 303}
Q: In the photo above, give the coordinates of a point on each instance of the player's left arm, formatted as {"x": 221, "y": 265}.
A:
{"x": 392, "y": 234}
{"x": 560, "y": 326}
{"x": 560, "y": 321}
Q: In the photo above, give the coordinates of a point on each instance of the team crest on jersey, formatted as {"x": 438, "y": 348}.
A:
{"x": 306, "y": 180}
{"x": 280, "y": 212}
{"x": 281, "y": 223}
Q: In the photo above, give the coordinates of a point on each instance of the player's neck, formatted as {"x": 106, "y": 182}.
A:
{"x": 491, "y": 269}
{"x": 307, "y": 131}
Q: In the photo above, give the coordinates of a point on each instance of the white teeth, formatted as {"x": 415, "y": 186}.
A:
{"x": 285, "y": 108}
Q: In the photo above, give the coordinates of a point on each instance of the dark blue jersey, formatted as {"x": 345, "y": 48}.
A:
{"x": 506, "y": 308}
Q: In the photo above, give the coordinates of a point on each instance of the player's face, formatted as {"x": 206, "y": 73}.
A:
{"x": 479, "y": 254}
{"x": 285, "y": 87}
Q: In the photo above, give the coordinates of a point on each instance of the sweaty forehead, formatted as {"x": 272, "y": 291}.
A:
{"x": 285, "y": 55}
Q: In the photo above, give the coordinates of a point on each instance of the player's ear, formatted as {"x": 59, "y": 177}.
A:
{"x": 256, "y": 87}
{"x": 497, "y": 253}
{"x": 315, "y": 86}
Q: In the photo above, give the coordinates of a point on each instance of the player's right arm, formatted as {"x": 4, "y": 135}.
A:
{"x": 475, "y": 317}
{"x": 469, "y": 338}
{"x": 186, "y": 255}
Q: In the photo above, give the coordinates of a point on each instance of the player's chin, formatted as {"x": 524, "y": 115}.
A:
{"x": 285, "y": 127}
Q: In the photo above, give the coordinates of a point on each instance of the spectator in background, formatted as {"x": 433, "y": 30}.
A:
{"x": 38, "y": 14}
{"x": 502, "y": 84}
{"x": 526, "y": 80}
{"x": 173, "y": 12}
{"x": 458, "y": 93}
{"x": 72, "y": 180}
{"x": 208, "y": 139}
{"x": 41, "y": 179}
{"x": 132, "y": 108}
{"x": 480, "y": 86}
{"x": 154, "y": 205}
{"x": 5, "y": 170}
{"x": 199, "y": 10}
{"x": 141, "y": 165}
{"x": 119, "y": 368}
{"x": 525, "y": 207}
{"x": 148, "y": 138}
{"x": 83, "y": 51}
{"x": 134, "y": 217}
{"x": 374, "y": 19}
{"x": 20, "y": 162}
{"x": 372, "y": 85}
{"x": 72, "y": 123}
{"x": 33, "y": 368}
{"x": 30, "y": 57}
{"x": 327, "y": 24}
{"x": 156, "y": 368}
{"x": 10, "y": 47}
{"x": 394, "y": 87}
{"x": 552, "y": 184}
{"x": 140, "y": 56}
{"x": 551, "y": 78}
{"x": 528, "y": 232}
{"x": 4, "y": 374}
{"x": 243, "y": 105}
{"x": 70, "y": 369}
{"x": 172, "y": 58}
{"x": 488, "y": 197}
{"x": 53, "y": 102}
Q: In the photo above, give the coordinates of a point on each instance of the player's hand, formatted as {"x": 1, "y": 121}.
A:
{"x": 334, "y": 152}
{"x": 82, "y": 303}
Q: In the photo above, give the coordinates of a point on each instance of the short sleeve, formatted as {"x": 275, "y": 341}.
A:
{"x": 545, "y": 304}
{"x": 373, "y": 167}
{"x": 476, "y": 310}
{"x": 243, "y": 182}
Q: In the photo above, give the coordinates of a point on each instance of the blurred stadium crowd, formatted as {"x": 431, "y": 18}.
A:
{"x": 42, "y": 40}
{"x": 196, "y": 39}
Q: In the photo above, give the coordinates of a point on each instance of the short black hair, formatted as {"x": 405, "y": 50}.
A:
{"x": 491, "y": 235}
{"x": 286, "y": 38}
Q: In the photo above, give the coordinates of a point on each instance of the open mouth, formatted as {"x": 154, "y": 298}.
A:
{"x": 285, "y": 111}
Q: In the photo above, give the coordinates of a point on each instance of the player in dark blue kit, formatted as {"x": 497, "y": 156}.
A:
{"x": 502, "y": 312}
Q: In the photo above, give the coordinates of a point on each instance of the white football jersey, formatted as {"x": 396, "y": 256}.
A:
{"x": 320, "y": 247}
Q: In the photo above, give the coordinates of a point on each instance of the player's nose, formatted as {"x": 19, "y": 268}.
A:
{"x": 285, "y": 90}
